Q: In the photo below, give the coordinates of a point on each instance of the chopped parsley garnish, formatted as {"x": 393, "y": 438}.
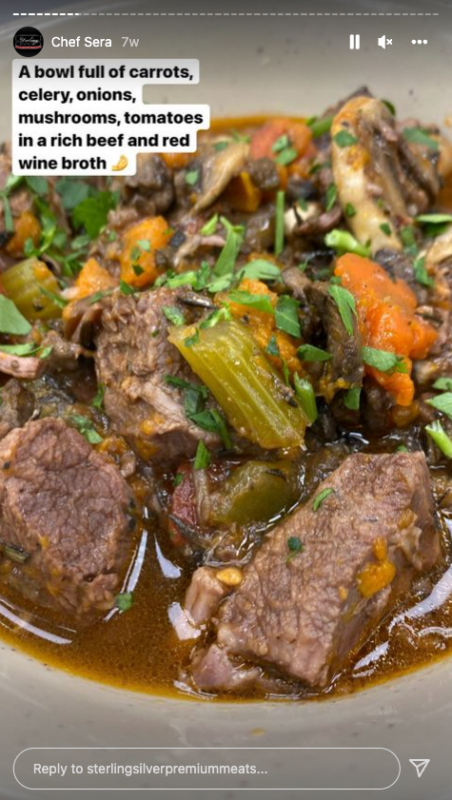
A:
{"x": 390, "y": 106}
{"x": 306, "y": 397}
{"x": 228, "y": 256}
{"x": 260, "y": 270}
{"x": 72, "y": 192}
{"x": 386, "y": 228}
{"x": 295, "y": 546}
{"x": 195, "y": 398}
{"x": 272, "y": 347}
{"x": 202, "y": 458}
{"x": 92, "y": 213}
{"x": 260, "y": 302}
{"x": 307, "y": 352}
{"x": 174, "y": 315}
{"x": 331, "y": 196}
{"x": 344, "y": 138}
{"x": 281, "y": 143}
{"x": 12, "y": 183}
{"x": 346, "y": 305}
{"x": 352, "y": 398}
{"x": 286, "y": 156}
{"x": 219, "y": 146}
{"x": 286, "y": 315}
{"x": 191, "y": 340}
{"x": 421, "y": 274}
{"x": 61, "y": 302}
{"x": 191, "y": 177}
{"x": 220, "y": 315}
{"x": 444, "y": 384}
{"x": 178, "y": 479}
{"x": 126, "y": 288}
{"x": 86, "y": 428}
{"x": 98, "y": 400}
{"x": 11, "y": 320}
{"x": 321, "y": 497}
{"x": 124, "y": 601}
{"x": 443, "y": 403}
{"x": 23, "y": 349}
{"x": 408, "y": 238}
{"x": 345, "y": 242}
{"x": 279, "y": 223}
{"x": 209, "y": 227}
{"x": 320, "y": 126}
{"x": 384, "y": 361}
{"x": 420, "y": 136}
{"x": 350, "y": 210}
{"x": 440, "y": 437}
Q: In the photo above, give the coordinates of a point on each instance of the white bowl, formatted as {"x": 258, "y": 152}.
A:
{"x": 297, "y": 65}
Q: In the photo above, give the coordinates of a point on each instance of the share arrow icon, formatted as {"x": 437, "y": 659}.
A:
{"x": 420, "y": 765}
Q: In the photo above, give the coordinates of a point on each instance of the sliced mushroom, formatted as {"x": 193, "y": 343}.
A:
{"x": 218, "y": 169}
{"x": 386, "y": 178}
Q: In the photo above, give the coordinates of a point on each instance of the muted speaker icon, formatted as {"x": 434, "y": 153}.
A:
{"x": 383, "y": 42}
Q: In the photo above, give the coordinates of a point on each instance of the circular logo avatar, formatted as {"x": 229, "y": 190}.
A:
{"x": 28, "y": 42}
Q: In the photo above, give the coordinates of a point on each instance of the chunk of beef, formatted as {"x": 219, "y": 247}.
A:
{"x": 345, "y": 369}
{"x": 324, "y": 578}
{"x": 16, "y": 407}
{"x": 133, "y": 359}
{"x": 69, "y": 510}
{"x": 151, "y": 190}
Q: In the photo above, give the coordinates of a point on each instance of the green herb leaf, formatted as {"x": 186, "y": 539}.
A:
{"x": 421, "y": 274}
{"x": 272, "y": 348}
{"x": 402, "y": 449}
{"x": 346, "y": 305}
{"x": 295, "y": 546}
{"x": 220, "y": 315}
{"x": 350, "y": 210}
{"x": 386, "y": 228}
{"x": 54, "y": 297}
{"x": 307, "y": 352}
{"x": 286, "y": 156}
{"x": 219, "y": 146}
{"x": 306, "y": 397}
{"x": 21, "y": 350}
{"x": 344, "y": 138}
{"x": 260, "y": 270}
{"x": 191, "y": 177}
{"x": 434, "y": 219}
{"x": 11, "y": 320}
{"x": 443, "y": 403}
{"x": 174, "y": 315}
{"x": 209, "y": 228}
{"x": 444, "y": 384}
{"x": 407, "y": 235}
{"x": 286, "y": 315}
{"x": 228, "y": 256}
{"x": 72, "y": 192}
{"x": 260, "y": 302}
{"x": 420, "y": 136}
{"x": 279, "y": 222}
{"x": 86, "y": 428}
{"x": 281, "y": 143}
{"x": 92, "y": 213}
{"x": 37, "y": 184}
{"x": 440, "y": 437}
{"x": 191, "y": 340}
{"x": 390, "y": 106}
{"x": 344, "y": 242}
{"x": 98, "y": 401}
{"x": 321, "y": 497}
{"x": 126, "y": 288}
{"x": 383, "y": 360}
{"x": 320, "y": 126}
{"x": 331, "y": 196}
{"x": 46, "y": 352}
{"x": 124, "y": 601}
{"x": 177, "y": 480}
{"x": 352, "y": 398}
{"x": 202, "y": 458}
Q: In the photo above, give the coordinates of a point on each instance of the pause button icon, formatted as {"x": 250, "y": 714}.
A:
{"x": 355, "y": 41}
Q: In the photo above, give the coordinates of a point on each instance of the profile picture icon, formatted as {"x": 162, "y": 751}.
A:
{"x": 28, "y": 42}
